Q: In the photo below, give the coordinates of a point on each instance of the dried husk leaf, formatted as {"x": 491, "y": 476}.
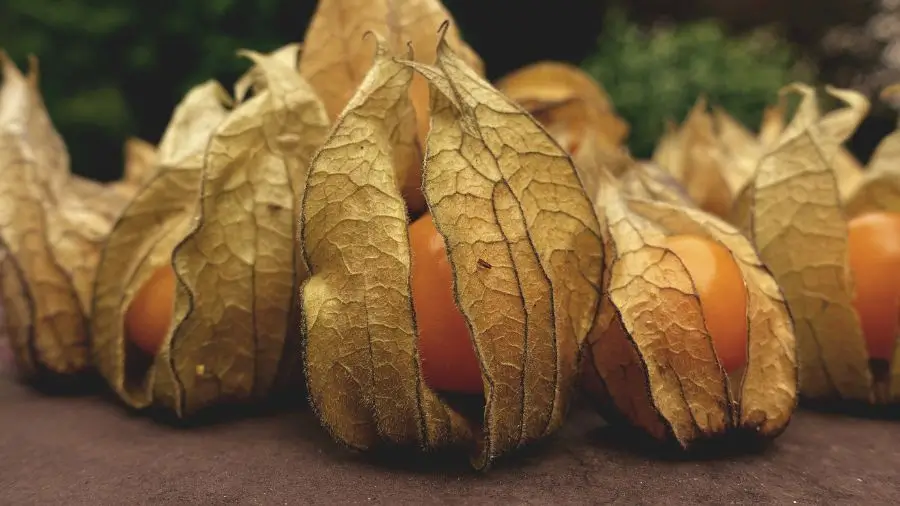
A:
{"x": 715, "y": 157}
{"x": 255, "y": 79}
{"x": 24, "y": 113}
{"x": 143, "y": 238}
{"x": 740, "y": 147}
{"x": 78, "y": 231}
{"x": 668, "y": 153}
{"x": 360, "y": 358}
{"x": 879, "y": 191}
{"x": 552, "y": 243}
{"x": 694, "y": 157}
{"x": 712, "y": 155}
{"x": 237, "y": 267}
{"x": 335, "y": 60}
{"x": 768, "y": 389}
{"x": 141, "y": 162}
{"x": 231, "y": 240}
{"x": 104, "y": 200}
{"x": 51, "y": 227}
{"x": 829, "y": 131}
{"x": 500, "y": 191}
{"x": 772, "y": 124}
{"x": 631, "y": 346}
{"x": 799, "y": 228}
{"x": 640, "y": 179}
{"x": 648, "y": 181}
{"x": 568, "y": 102}
{"x": 879, "y": 187}
{"x": 643, "y": 179}
{"x": 652, "y": 358}
{"x": 592, "y": 162}
{"x": 44, "y": 320}
{"x": 553, "y": 82}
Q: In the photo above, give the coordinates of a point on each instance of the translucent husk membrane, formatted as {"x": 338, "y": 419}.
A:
{"x": 501, "y": 193}
{"x": 650, "y": 359}
{"x": 221, "y": 210}
{"x": 796, "y": 209}
{"x": 52, "y": 224}
{"x": 792, "y": 189}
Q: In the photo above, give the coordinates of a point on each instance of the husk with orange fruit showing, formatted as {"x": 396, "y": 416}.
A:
{"x": 52, "y": 225}
{"x": 140, "y": 166}
{"x": 573, "y": 109}
{"x": 796, "y": 211}
{"x": 221, "y": 211}
{"x": 649, "y": 358}
{"x": 502, "y": 194}
{"x": 335, "y": 60}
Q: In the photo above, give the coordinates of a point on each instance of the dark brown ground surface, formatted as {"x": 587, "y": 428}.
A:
{"x": 89, "y": 450}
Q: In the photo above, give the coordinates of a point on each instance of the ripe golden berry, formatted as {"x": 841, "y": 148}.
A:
{"x": 148, "y": 317}
{"x": 445, "y": 347}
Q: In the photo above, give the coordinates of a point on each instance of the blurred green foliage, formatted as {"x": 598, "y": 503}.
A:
{"x": 110, "y": 69}
{"x": 656, "y": 75}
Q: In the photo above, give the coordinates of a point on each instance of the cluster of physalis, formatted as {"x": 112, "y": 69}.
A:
{"x": 375, "y": 226}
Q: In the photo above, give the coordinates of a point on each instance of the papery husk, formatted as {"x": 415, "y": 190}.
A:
{"x": 740, "y": 148}
{"x": 830, "y": 130}
{"x": 636, "y": 178}
{"x": 52, "y": 224}
{"x": 501, "y": 193}
{"x": 879, "y": 187}
{"x": 879, "y": 191}
{"x": 797, "y": 224}
{"x": 715, "y": 157}
{"x": 772, "y": 124}
{"x": 335, "y": 60}
{"x": 141, "y": 162}
{"x": 255, "y": 80}
{"x": 569, "y": 103}
{"x": 796, "y": 211}
{"x": 650, "y": 359}
{"x": 693, "y": 154}
{"x": 646, "y": 180}
{"x": 221, "y": 210}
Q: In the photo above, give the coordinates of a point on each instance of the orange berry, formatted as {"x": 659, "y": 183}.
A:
{"x": 874, "y": 258}
{"x": 445, "y": 348}
{"x": 150, "y": 313}
{"x": 723, "y": 295}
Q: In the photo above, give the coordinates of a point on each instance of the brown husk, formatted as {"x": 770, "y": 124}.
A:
{"x": 335, "y": 60}
{"x": 52, "y": 224}
{"x": 569, "y": 103}
{"x": 221, "y": 209}
{"x": 502, "y": 193}
{"x": 650, "y": 357}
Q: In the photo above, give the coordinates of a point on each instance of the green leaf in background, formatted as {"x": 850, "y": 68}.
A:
{"x": 113, "y": 69}
{"x": 656, "y": 75}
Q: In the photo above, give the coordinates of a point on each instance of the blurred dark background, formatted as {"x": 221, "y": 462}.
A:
{"x": 113, "y": 69}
